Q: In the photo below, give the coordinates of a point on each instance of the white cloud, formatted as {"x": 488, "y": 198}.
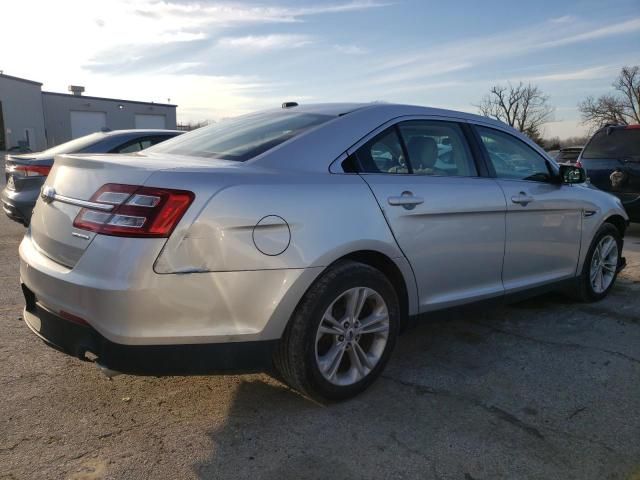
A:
{"x": 351, "y": 49}
{"x": 465, "y": 54}
{"x": 621, "y": 28}
{"x": 235, "y": 13}
{"x": 266, "y": 42}
{"x": 602, "y": 71}
{"x": 563, "y": 19}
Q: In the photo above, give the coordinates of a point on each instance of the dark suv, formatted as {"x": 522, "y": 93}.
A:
{"x": 612, "y": 160}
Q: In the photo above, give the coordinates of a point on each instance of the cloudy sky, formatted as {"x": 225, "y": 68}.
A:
{"x": 222, "y": 58}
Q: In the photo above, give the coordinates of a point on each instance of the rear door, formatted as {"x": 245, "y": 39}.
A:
{"x": 448, "y": 221}
{"x": 544, "y": 218}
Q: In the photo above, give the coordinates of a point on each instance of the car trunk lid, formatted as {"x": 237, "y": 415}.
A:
{"x": 74, "y": 179}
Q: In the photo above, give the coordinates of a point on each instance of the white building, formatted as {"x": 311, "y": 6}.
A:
{"x": 32, "y": 118}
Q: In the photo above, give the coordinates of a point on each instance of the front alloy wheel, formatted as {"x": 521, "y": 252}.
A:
{"x": 601, "y": 264}
{"x": 604, "y": 264}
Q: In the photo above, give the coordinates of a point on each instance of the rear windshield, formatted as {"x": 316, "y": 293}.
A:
{"x": 568, "y": 155}
{"x": 73, "y": 146}
{"x": 242, "y": 138}
{"x": 620, "y": 143}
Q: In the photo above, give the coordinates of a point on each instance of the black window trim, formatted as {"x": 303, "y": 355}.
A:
{"x": 403, "y": 145}
{"x": 469, "y": 135}
{"x": 380, "y": 133}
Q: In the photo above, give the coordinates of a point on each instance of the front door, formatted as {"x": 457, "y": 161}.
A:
{"x": 449, "y": 222}
{"x": 544, "y": 222}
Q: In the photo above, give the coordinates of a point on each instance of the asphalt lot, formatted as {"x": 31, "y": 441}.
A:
{"x": 542, "y": 389}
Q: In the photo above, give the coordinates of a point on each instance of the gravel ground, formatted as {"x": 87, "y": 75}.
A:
{"x": 543, "y": 389}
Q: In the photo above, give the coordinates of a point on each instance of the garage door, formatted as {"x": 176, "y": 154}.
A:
{"x": 84, "y": 123}
{"x": 150, "y": 121}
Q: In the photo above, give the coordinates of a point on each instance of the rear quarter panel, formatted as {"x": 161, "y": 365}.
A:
{"x": 327, "y": 216}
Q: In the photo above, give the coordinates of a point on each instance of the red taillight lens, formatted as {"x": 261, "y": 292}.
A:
{"x": 632, "y": 127}
{"x": 138, "y": 211}
{"x": 32, "y": 170}
{"x": 578, "y": 164}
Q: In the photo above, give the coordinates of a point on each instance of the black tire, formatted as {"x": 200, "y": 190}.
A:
{"x": 295, "y": 357}
{"x": 584, "y": 291}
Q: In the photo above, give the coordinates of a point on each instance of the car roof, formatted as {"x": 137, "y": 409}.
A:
{"x": 395, "y": 109}
{"x": 141, "y": 131}
{"x": 354, "y": 122}
{"x": 334, "y": 109}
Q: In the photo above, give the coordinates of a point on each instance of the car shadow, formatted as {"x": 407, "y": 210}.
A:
{"x": 467, "y": 394}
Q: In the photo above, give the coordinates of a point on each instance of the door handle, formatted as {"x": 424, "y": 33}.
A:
{"x": 522, "y": 199}
{"x": 407, "y": 200}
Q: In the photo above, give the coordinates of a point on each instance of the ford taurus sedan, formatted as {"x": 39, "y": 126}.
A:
{"x": 25, "y": 173}
{"x": 300, "y": 241}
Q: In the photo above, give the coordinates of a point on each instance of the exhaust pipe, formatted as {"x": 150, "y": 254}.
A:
{"x": 107, "y": 372}
{"x": 89, "y": 356}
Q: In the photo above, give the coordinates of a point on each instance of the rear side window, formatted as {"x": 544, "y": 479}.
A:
{"x": 513, "y": 159}
{"x": 615, "y": 144}
{"x": 243, "y": 138}
{"x": 129, "y": 147}
{"x": 437, "y": 148}
{"x": 383, "y": 154}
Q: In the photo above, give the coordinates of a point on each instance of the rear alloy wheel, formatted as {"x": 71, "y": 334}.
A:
{"x": 342, "y": 333}
{"x": 352, "y": 336}
{"x": 600, "y": 267}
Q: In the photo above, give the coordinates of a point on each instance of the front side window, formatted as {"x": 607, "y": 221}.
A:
{"x": 513, "y": 159}
{"x": 383, "y": 154}
{"x": 242, "y": 138}
{"x": 437, "y": 148}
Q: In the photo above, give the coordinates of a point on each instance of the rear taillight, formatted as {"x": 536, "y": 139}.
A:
{"x": 32, "y": 170}
{"x": 138, "y": 211}
{"x": 578, "y": 163}
{"x": 632, "y": 127}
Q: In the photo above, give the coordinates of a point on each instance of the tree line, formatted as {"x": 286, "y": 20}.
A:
{"x": 526, "y": 108}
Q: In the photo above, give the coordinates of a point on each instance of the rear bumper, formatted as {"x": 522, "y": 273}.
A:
{"x": 84, "y": 342}
{"x": 114, "y": 289}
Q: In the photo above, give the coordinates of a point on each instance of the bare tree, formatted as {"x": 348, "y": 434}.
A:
{"x": 621, "y": 107}
{"x": 521, "y": 106}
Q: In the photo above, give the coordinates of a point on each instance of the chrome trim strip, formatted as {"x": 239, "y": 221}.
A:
{"x": 80, "y": 235}
{"x": 82, "y": 203}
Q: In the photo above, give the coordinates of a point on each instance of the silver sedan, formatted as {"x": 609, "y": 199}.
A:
{"x": 300, "y": 241}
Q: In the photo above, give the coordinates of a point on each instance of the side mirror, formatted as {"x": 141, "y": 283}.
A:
{"x": 570, "y": 174}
